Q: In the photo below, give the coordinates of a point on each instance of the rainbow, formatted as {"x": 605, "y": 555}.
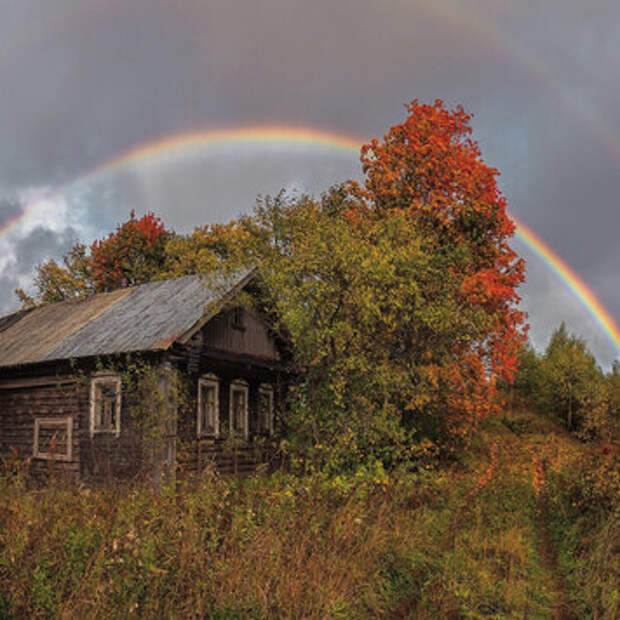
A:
{"x": 462, "y": 17}
{"x": 310, "y": 138}
{"x": 180, "y": 144}
{"x": 578, "y": 287}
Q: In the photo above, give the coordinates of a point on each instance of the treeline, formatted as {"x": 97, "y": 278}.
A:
{"x": 566, "y": 382}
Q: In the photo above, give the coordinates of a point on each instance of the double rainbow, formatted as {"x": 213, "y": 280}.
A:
{"x": 311, "y": 139}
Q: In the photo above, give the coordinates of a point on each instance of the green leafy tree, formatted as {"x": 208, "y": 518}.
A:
{"x": 346, "y": 297}
{"x": 601, "y": 419}
{"x": 525, "y": 389}
{"x": 572, "y": 381}
{"x": 56, "y": 282}
{"x": 207, "y": 248}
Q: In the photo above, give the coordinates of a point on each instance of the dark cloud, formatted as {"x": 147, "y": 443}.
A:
{"x": 42, "y": 242}
{"x": 26, "y": 252}
{"x": 8, "y": 300}
{"x": 84, "y": 81}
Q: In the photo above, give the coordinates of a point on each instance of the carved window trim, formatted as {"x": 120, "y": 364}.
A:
{"x": 239, "y": 385}
{"x": 211, "y": 381}
{"x": 99, "y": 380}
{"x": 62, "y": 423}
{"x": 266, "y": 390}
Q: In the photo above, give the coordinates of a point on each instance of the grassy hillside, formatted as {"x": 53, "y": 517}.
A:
{"x": 523, "y": 526}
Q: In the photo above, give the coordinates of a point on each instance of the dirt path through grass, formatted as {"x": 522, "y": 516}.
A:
{"x": 518, "y": 457}
{"x": 562, "y": 607}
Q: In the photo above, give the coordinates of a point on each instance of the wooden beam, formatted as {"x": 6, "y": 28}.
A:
{"x": 26, "y": 382}
{"x": 241, "y": 358}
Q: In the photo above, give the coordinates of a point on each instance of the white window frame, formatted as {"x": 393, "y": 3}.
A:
{"x": 99, "y": 379}
{"x": 238, "y": 385}
{"x": 208, "y": 380}
{"x": 266, "y": 389}
{"x": 65, "y": 423}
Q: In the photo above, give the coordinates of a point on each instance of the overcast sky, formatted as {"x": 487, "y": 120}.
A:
{"x": 83, "y": 81}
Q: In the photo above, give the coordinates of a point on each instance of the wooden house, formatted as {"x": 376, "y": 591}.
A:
{"x": 70, "y": 401}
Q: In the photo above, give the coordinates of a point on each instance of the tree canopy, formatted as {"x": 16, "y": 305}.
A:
{"x": 133, "y": 254}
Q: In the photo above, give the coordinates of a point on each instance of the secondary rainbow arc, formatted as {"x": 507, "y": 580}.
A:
{"x": 311, "y": 138}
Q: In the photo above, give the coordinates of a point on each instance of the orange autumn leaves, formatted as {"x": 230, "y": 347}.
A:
{"x": 133, "y": 254}
{"x": 429, "y": 169}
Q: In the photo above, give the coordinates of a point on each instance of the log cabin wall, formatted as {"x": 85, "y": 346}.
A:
{"x": 28, "y": 395}
{"x": 106, "y": 457}
{"x": 25, "y": 408}
{"x": 227, "y": 456}
{"x": 235, "y": 344}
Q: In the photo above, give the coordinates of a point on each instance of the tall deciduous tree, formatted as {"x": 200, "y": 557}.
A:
{"x": 573, "y": 384}
{"x": 428, "y": 169}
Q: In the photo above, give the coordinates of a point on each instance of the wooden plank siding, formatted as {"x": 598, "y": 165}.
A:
{"x": 225, "y": 458}
{"x": 250, "y": 338}
{"x": 98, "y": 458}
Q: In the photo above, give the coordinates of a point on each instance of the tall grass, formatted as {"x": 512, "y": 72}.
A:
{"x": 584, "y": 518}
{"x": 461, "y": 541}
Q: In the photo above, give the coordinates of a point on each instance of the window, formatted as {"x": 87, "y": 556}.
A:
{"x": 265, "y": 408}
{"x": 237, "y": 318}
{"x": 105, "y": 404}
{"x": 52, "y": 438}
{"x": 239, "y": 409}
{"x": 208, "y": 421}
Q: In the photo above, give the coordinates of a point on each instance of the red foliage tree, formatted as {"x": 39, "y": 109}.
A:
{"x": 133, "y": 254}
{"x": 429, "y": 168}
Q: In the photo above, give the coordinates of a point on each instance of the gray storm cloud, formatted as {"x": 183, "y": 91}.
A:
{"x": 85, "y": 81}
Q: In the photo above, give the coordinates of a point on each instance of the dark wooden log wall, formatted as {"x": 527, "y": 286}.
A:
{"x": 28, "y": 394}
{"x": 229, "y": 353}
{"x": 240, "y": 459}
{"x": 106, "y": 457}
{"x": 20, "y": 406}
{"x": 244, "y": 457}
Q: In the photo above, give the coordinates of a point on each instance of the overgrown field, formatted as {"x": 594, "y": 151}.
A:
{"x": 518, "y": 528}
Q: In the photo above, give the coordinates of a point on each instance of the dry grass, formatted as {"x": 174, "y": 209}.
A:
{"x": 280, "y": 546}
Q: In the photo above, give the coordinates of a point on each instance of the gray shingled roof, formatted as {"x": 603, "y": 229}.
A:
{"x": 143, "y": 318}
